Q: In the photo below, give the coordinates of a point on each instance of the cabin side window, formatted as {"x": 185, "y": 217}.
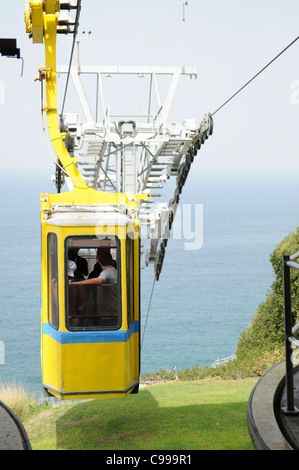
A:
{"x": 92, "y": 283}
{"x": 130, "y": 277}
{"x": 53, "y": 306}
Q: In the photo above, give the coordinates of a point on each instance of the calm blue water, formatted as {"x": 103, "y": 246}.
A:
{"x": 204, "y": 298}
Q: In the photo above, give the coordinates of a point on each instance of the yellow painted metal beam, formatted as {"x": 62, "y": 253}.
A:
{"x": 69, "y": 163}
{"x": 37, "y": 21}
{"x": 41, "y": 23}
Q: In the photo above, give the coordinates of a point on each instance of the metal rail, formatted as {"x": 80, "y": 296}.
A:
{"x": 225, "y": 360}
{"x": 288, "y": 264}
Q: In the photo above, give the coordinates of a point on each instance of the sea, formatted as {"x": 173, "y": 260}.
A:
{"x": 210, "y": 286}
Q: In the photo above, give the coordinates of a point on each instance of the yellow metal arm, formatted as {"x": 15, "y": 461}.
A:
{"x": 41, "y": 18}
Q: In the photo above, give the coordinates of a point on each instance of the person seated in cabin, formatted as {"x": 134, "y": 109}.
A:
{"x": 82, "y": 265}
{"x": 108, "y": 274}
{"x": 97, "y": 269}
{"x": 71, "y": 269}
{"x": 72, "y": 265}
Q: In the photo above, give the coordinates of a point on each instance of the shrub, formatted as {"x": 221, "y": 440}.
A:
{"x": 288, "y": 246}
{"x": 266, "y": 331}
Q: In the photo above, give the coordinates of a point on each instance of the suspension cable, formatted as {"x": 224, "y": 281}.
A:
{"x": 72, "y": 53}
{"x": 148, "y": 311}
{"x": 255, "y": 76}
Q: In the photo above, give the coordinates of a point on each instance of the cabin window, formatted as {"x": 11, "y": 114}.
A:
{"x": 89, "y": 305}
{"x": 53, "y": 310}
{"x": 130, "y": 278}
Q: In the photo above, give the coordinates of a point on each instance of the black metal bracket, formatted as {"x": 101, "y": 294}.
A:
{"x": 290, "y": 409}
{"x": 8, "y": 48}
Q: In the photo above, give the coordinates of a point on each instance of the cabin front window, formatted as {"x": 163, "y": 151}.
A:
{"x": 91, "y": 305}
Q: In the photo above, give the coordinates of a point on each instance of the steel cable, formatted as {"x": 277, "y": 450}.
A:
{"x": 255, "y": 76}
{"x": 72, "y": 53}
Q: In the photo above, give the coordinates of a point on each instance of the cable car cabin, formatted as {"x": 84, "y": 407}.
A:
{"x": 90, "y": 331}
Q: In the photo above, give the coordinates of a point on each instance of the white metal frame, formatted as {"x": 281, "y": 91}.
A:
{"x": 138, "y": 153}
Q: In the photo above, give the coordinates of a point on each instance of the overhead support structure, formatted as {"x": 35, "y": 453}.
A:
{"x": 135, "y": 153}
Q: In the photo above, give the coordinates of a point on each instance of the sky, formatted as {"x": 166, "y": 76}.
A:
{"x": 228, "y": 41}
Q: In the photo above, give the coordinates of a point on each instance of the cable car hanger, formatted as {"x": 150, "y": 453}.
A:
{"x": 42, "y": 24}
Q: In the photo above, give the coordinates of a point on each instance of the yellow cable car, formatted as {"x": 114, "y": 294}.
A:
{"x": 90, "y": 338}
{"x": 90, "y": 332}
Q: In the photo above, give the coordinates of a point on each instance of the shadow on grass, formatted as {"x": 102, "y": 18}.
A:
{"x": 139, "y": 423}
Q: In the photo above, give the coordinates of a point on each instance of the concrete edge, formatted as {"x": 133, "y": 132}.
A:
{"x": 21, "y": 429}
{"x": 256, "y": 438}
{"x": 262, "y": 424}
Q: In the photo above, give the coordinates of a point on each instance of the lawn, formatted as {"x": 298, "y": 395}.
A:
{"x": 204, "y": 415}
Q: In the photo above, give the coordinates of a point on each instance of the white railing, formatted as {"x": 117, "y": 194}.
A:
{"x": 219, "y": 361}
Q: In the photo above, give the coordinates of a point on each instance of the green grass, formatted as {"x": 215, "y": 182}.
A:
{"x": 204, "y": 415}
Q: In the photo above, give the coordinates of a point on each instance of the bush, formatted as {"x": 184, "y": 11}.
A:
{"x": 266, "y": 331}
{"x": 288, "y": 246}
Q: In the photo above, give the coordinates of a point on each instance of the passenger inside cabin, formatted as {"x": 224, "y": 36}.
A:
{"x": 82, "y": 265}
{"x": 71, "y": 263}
{"x": 108, "y": 273}
{"x": 76, "y": 265}
{"x": 97, "y": 269}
